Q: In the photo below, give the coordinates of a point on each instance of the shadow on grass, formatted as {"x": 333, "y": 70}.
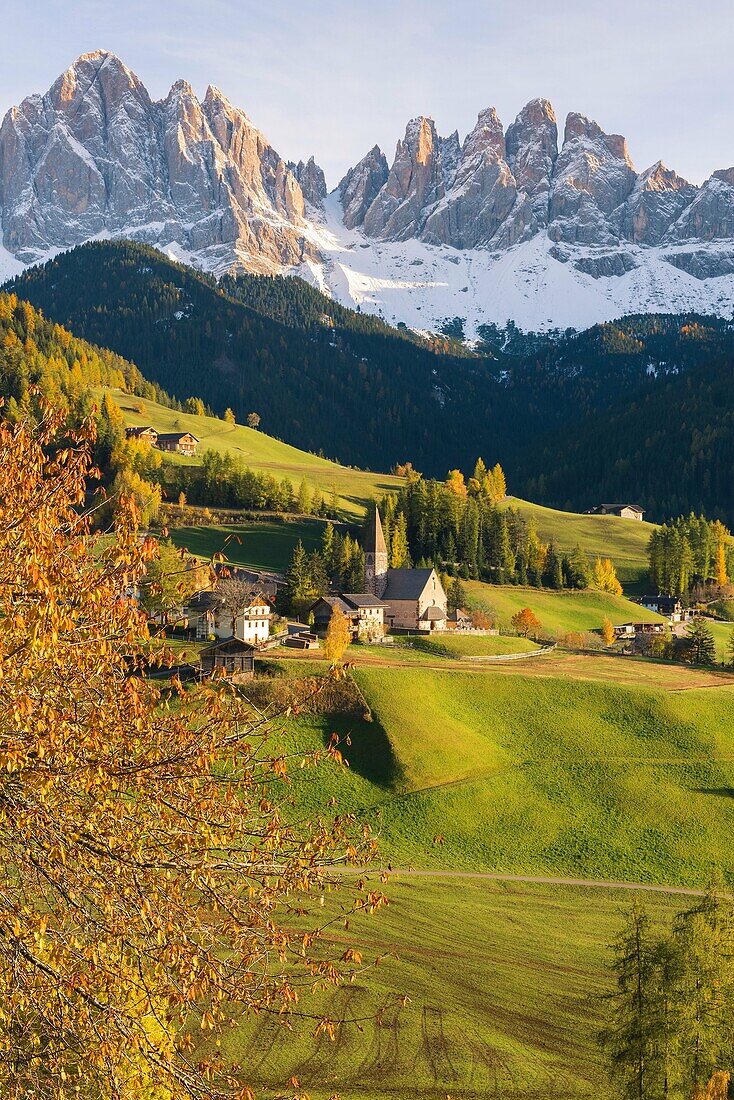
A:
{"x": 719, "y": 792}
{"x": 369, "y": 752}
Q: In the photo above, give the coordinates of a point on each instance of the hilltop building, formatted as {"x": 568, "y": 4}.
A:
{"x": 626, "y": 511}
{"x": 146, "y": 433}
{"x": 414, "y": 599}
{"x": 183, "y": 443}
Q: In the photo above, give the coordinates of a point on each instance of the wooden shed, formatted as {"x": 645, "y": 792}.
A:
{"x": 231, "y": 657}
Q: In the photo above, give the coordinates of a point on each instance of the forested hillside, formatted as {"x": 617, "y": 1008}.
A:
{"x": 362, "y": 394}
{"x": 40, "y": 359}
{"x": 638, "y": 409}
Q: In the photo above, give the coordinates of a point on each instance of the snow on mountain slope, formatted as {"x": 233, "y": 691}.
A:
{"x": 423, "y": 285}
{"x": 504, "y": 225}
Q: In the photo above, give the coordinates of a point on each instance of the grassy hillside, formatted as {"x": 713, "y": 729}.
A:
{"x": 623, "y": 540}
{"x": 503, "y": 1001}
{"x": 263, "y": 544}
{"x": 541, "y": 774}
{"x": 559, "y": 612}
{"x": 261, "y": 452}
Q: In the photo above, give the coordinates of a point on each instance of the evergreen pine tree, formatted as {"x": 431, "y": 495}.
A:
{"x": 700, "y": 644}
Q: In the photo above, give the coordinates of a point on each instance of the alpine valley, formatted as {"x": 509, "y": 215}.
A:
{"x": 507, "y": 225}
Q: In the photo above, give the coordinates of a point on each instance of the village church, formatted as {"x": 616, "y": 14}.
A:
{"x": 414, "y": 598}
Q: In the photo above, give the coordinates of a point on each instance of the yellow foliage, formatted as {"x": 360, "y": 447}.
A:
{"x": 338, "y": 636}
{"x": 604, "y": 577}
{"x": 135, "y": 904}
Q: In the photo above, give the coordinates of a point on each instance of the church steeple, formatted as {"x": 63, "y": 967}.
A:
{"x": 375, "y": 556}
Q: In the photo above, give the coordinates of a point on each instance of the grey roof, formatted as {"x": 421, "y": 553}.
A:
{"x": 433, "y": 614}
{"x": 363, "y": 599}
{"x": 206, "y": 600}
{"x": 333, "y": 602}
{"x": 172, "y": 437}
{"x": 229, "y": 645}
{"x": 406, "y": 584}
{"x": 614, "y": 508}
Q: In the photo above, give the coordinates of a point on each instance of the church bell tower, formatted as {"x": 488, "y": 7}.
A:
{"x": 375, "y": 557}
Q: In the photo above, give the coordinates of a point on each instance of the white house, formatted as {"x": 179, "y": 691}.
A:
{"x": 252, "y": 624}
{"x": 208, "y": 616}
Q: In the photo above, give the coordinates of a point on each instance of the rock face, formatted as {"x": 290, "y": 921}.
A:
{"x": 96, "y": 155}
{"x": 312, "y": 181}
{"x": 482, "y": 191}
{"x": 414, "y": 183}
{"x": 361, "y": 185}
{"x": 657, "y": 200}
{"x": 710, "y": 215}
{"x": 532, "y": 150}
{"x": 593, "y": 177}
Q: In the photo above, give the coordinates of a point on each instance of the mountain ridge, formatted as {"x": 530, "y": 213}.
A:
{"x": 523, "y": 228}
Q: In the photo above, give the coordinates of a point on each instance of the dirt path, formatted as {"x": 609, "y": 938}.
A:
{"x": 632, "y": 671}
{"x": 546, "y": 880}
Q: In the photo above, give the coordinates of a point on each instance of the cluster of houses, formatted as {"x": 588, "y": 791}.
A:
{"x": 670, "y": 607}
{"x": 238, "y": 621}
{"x": 183, "y": 443}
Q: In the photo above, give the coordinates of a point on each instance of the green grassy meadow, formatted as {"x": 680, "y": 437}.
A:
{"x": 722, "y": 633}
{"x": 478, "y": 771}
{"x": 262, "y": 544}
{"x": 262, "y": 452}
{"x": 538, "y": 774}
{"x": 559, "y": 611}
{"x": 503, "y": 982}
{"x": 476, "y": 645}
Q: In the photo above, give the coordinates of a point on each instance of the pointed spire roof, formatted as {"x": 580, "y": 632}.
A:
{"x": 374, "y": 540}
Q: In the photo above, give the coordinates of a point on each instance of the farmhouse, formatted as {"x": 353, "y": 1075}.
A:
{"x": 626, "y": 511}
{"x": 364, "y": 612}
{"x": 414, "y": 598}
{"x": 633, "y": 630}
{"x": 459, "y": 619}
{"x": 146, "y": 434}
{"x": 669, "y": 606}
{"x": 209, "y": 617}
{"x": 183, "y": 443}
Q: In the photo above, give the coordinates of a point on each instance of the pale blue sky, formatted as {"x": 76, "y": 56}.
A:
{"x": 332, "y": 77}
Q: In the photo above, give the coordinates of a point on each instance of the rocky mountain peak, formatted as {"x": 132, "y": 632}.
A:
{"x": 361, "y": 185}
{"x": 532, "y": 148}
{"x": 450, "y": 151}
{"x": 312, "y": 181}
{"x": 482, "y": 190}
{"x": 96, "y": 155}
{"x": 414, "y": 183}
{"x": 593, "y": 176}
{"x": 657, "y": 200}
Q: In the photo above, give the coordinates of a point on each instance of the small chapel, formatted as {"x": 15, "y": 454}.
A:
{"x": 414, "y": 599}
